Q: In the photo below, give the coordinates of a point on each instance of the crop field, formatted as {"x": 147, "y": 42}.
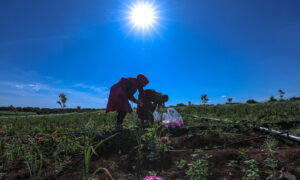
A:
{"x": 87, "y": 146}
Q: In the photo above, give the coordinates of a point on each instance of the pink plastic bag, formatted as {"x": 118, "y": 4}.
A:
{"x": 171, "y": 119}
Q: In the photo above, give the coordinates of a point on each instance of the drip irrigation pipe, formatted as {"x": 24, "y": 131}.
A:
{"x": 264, "y": 129}
{"x": 280, "y": 133}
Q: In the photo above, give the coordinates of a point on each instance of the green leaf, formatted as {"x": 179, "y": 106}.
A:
{"x": 104, "y": 169}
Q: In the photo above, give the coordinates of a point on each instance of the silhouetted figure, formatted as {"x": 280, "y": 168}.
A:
{"x": 121, "y": 93}
{"x": 150, "y": 99}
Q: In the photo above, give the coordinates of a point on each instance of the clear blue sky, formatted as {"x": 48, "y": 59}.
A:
{"x": 240, "y": 49}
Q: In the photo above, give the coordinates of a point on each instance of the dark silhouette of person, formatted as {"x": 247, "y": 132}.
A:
{"x": 121, "y": 93}
{"x": 150, "y": 99}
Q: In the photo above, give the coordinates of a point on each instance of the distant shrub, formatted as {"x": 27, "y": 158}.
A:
{"x": 180, "y": 105}
{"x": 251, "y": 101}
{"x": 28, "y": 109}
{"x": 272, "y": 99}
{"x": 294, "y": 98}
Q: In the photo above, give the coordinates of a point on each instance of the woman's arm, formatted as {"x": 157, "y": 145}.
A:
{"x": 138, "y": 102}
{"x": 133, "y": 99}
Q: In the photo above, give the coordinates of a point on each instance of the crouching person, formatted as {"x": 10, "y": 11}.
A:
{"x": 150, "y": 100}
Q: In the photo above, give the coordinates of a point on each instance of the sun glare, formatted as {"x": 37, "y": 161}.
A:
{"x": 143, "y": 15}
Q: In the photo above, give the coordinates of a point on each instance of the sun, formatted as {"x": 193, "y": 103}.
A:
{"x": 143, "y": 15}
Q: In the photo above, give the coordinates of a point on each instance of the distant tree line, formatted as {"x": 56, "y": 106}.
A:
{"x": 250, "y": 101}
{"x": 62, "y": 102}
{"x": 38, "y": 110}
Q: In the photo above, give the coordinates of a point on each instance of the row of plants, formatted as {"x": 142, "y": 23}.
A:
{"x": 47, "y": 144}
{"x": 46, "y": 149}
{"x": 261, "y": 113}
{"x": 199, "y": 165}
{"x": 55, "y": 124}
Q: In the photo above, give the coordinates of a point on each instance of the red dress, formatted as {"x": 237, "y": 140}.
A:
{"x": 120, "y": 93}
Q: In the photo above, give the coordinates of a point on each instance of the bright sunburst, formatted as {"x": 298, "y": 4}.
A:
{"x": 143, "y": 15}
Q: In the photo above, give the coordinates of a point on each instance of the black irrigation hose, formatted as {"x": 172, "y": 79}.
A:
{"x": 286, "y": 135}
{"x": 265, "y": 129}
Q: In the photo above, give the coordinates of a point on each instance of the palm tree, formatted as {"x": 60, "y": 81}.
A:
{"x": 62, "y": 101}
{"x": 204, "y": 101}
{"x": 204, "y": 98}
{"x": 281, "y": 93}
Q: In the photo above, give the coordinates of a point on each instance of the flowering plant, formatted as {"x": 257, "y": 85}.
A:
{"x": 40, "y": 138}
{"x": 155, "y": 141}
{"x": 164, "y": 139}
{"x": 153, "y": 178}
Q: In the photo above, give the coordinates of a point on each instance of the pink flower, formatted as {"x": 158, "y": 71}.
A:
{"x": 153, "y": 178}
{"x": 164, "y": 139}
{"x": 27, "y": 136}
{"x": 179, "y": 124}
{"x": 2, "y": 132}
{"x": 40, "y": 138}
{"x": 73, "y": 127}
{"x": 20, "y": 141}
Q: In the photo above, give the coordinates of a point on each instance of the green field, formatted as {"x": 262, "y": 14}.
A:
{"x": 45, "y": 143}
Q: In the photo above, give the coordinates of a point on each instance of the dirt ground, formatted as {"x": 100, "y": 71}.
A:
{"x": 123, "y": 165}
